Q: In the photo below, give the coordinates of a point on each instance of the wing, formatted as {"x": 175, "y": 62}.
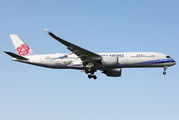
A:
{"x": 82, "y": 53}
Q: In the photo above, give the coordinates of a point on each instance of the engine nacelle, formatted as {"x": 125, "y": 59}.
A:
{"x": 113, "y": 72}
{"x": 109, "y": 61}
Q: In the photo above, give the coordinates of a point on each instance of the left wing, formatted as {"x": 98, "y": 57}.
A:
{"x": 82, "y": 53}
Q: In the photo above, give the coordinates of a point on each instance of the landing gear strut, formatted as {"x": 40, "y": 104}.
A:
{"x": 164, "y": 72}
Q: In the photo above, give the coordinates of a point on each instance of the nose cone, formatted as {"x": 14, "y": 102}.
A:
{"x": 173, "y": 62}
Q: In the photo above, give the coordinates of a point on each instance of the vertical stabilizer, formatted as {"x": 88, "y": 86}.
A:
{"x": 20, "y": 46}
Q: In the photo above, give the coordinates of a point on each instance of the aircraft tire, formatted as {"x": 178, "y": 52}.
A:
{"x": 89, "y": 76}
{"x": 95, "y": 77}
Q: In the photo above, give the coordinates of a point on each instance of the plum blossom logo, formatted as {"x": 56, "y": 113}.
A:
{"x": 23, "y": 49}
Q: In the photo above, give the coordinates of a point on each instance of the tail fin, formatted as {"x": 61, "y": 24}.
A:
{"x": 20, "y": 46}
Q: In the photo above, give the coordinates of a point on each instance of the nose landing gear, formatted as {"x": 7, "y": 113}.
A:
{"x": 164, "y": 72}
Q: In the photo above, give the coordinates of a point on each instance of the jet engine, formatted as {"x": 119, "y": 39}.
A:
{"x": 109, "y": 61}
{"x": 113, "y": 72}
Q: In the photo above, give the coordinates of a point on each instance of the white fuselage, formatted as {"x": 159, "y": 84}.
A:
{"x": 125, "y": 60}
{"x": 110, "y": 64}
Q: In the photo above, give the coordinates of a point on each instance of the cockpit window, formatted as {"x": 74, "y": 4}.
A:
{"x": 168, "y": 57}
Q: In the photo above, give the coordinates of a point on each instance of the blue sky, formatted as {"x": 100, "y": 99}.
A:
{"x": 30, "y": 92}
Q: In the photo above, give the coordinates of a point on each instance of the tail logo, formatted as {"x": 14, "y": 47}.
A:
{"x": 23, "y": 49}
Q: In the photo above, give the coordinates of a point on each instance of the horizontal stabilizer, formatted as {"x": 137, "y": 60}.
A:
{"x": 16, "y": 56}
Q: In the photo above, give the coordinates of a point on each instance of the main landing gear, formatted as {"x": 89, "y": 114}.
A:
{"x": 164, "y": 72}
{"x": 91, "y": 75}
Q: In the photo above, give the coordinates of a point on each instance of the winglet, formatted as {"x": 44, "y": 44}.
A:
{"x": 50, "y": 33}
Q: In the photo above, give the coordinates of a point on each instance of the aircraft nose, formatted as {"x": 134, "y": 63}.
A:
{"x": 173, "y": 61}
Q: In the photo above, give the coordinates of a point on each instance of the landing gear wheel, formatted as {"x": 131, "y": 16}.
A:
{"x": 92, "y": 76}
{"x": 89, "y": 76}
{"x": 164, "y": 73}
{"x": 95, "y": 77}
{"x": 92, "y": 72}
{"x": 86, "y": 71}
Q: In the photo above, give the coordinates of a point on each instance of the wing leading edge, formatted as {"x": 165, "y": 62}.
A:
{"x": 82, "y": 53}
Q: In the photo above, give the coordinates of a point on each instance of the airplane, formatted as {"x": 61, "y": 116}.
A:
{"x": 110, "y": 64}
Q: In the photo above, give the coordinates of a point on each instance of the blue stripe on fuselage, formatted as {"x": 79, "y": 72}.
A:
{"x": 157, "y": 61}
{"x": 65, "y": 56}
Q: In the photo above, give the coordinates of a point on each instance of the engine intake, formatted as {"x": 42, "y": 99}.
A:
{"x": 113, "y": 72}
{"x": 109, "y": 61}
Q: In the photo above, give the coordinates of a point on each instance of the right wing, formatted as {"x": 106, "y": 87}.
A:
{"x": 82, "y": 53}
